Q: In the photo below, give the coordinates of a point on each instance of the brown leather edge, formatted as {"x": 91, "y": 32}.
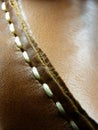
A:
{"x": 49, "y": 75}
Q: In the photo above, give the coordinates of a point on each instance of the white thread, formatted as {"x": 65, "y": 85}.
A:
{"x": 25, "y": 55}
{"x": 47, "y": 90}
{"x": 11, "y": 27}
{"x": 60, "y": 107}
{"x": 3, "y": 6}
{"x": 7, "y": 16}
{"x": 36, "y": 73}
{"x": 18, "y": 42}
{"x": 73, "y": 125}
{"x": 34, "y": 69}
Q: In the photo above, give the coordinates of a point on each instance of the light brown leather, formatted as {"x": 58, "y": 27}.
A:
{"x": 23, "y": 103}
{"x": 67, "y": 31}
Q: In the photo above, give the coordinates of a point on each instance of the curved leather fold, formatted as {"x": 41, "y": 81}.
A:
{"x": 23, "y": 102}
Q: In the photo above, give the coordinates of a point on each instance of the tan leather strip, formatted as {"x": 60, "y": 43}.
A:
{"x": 47, "y": 72}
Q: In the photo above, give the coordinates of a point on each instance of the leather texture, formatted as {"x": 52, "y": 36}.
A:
{"x": 23, "y": 102}
{"x": 67, "y": 31}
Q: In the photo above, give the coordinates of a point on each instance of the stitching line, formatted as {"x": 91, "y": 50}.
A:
{"x": 35, "y": 72}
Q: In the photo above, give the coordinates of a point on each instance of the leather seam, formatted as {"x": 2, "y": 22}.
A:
{"x": 34, "y": 69}
{"x": 36, "y": 74}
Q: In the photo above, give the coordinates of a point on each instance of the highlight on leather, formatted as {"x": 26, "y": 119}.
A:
{"x": 79, "y": 113}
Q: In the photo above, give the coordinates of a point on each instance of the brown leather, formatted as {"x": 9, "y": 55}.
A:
{"x": 67, "y": 31}
{"x": 23, "y": 102}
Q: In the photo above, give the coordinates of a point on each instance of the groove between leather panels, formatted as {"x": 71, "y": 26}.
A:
{"x": 35, "y": 71}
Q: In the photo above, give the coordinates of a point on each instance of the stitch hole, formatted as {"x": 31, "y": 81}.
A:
{"x": 60, "y": 107}
{"x": 73, "y": 125}
{"x": 18, "y": 42}
{"x": 7, "y": 17}
{"x": 3, "y": 6}
{"x": 47, "y": 90}
{"x": 26, "y": 57}
{"x": 36, "y": 73}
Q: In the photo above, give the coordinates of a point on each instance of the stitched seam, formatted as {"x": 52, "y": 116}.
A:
{"x": 36, "y": 74}
{"x": 54, "y": 76}
{"x": 32, "y": 40}
{"x": 26, "y": 57}
{"x": 34, "y": 69}
{"x": 51, "y": 72}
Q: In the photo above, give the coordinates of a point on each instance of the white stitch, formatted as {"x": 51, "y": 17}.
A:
{"x": 25, "y": 55}
{"x": 35, "y": 72}
{"x": 73, "y": 125}
{"x": 47, "y": 90}
{"x": 7, "y": 16}
{"x": 3, "y": 6}
{"x": 18, "y": 42}
{"x": 60, "y": 107}
{"x": 34, "y": 69}
{"x": 11, "y": 27}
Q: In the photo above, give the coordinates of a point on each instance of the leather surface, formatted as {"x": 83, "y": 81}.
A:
{"x": 67, "y": 31}
{"x": 23, "y": 103}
